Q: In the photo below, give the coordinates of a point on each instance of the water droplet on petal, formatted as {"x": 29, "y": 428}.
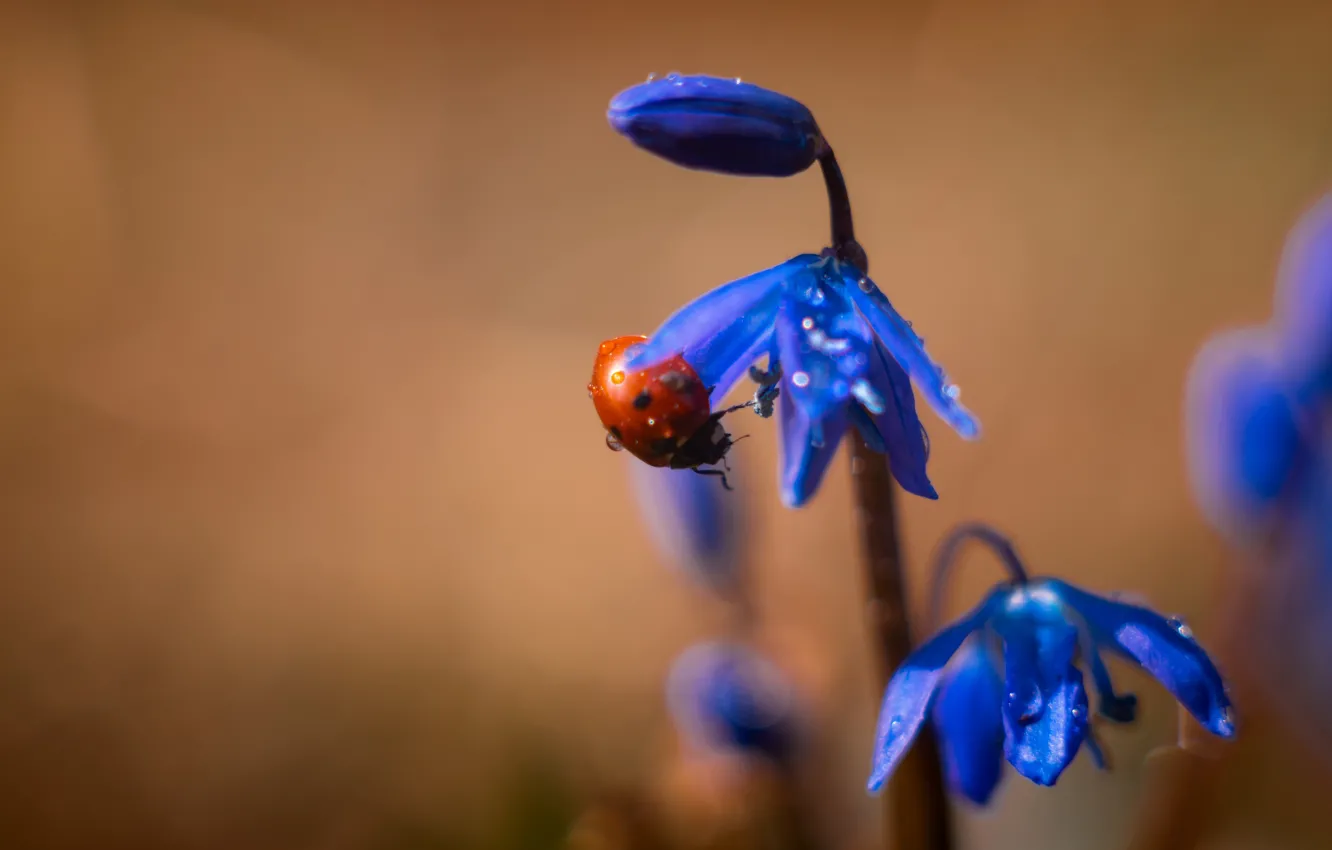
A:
{"x": 1077, "y": 711}
{"x": 807, "y": 323}
{"x": 867, "y": 396}
{"x": 651, "y": 77}
{"x": 866, "y": 285}
{"x": 894, "y": 726}
{"x": 1180, "y": 627}
{"x": 800, "y": 379}
{"x": 816, "y": 297}
{"x": 1226, "y": 724}
{"x": 952, "y": 390}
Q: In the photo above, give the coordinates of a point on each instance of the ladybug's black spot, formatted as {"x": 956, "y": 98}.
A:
{"x": 643, "y": 400}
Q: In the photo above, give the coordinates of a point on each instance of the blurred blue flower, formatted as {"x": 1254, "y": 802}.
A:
{"x": 724, "y": 696}
{"x": 1041, "y": 630}
{"x": 1257, "y": 399}
{"x": 1260, "y": 455}
{"x": 841, "y": 354}
{"x": 694, "y": 523}
{"x": 718, "y": 124}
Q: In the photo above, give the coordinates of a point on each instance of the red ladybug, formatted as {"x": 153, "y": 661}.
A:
{"x": 660, "y": 414}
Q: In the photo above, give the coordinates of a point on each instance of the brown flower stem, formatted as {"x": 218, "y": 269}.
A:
{"x": 916, "y": 816}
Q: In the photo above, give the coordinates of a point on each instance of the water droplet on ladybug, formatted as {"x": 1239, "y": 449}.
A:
{"x": 617, "y": 377}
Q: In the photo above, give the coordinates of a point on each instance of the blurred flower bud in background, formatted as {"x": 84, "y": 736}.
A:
{"x": 1260, "y": 455}
{"x": 696, "y": 524}
{"x": 718, "y": 124}
{"x": 724, "y": 696}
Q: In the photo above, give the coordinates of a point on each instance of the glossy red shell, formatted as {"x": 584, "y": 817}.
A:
{"x": 649, "y": 411}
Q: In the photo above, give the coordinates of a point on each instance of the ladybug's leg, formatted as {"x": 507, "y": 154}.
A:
{"x": 716, "y": 472}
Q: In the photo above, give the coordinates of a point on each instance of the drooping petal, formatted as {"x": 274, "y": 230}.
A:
{"x": 971, "y": 727}
{"x": 1304, "y": 298}
{"x": 897, "y": 429}
{"x": 913, "y": 686}
{"x": 718, "y": 124}
{"x": 1166, "y": 650}
{"x": 723, "y": 331}
{"x": 807, "y": 448}
{"x": 909, "y": 350}
{"x": 823, "y": 344}
{"x": 694, "y": 523}
{"x": 1045, "y": 711}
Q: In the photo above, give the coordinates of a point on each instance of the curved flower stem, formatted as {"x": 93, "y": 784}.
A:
{"x": 946, "y": 556}
{"x": 917, "y": 815}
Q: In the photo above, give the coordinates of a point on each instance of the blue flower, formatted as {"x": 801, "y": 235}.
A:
{"x": 1042, "y": 631}
{"x": 841, "y": 354}
{"x": 1259, "y": 427}
{"x": 717, "y": 124}
{"x": 729, "y": 697}
{"x": 694, "y": 523}
{"x": 1258, "y": 397}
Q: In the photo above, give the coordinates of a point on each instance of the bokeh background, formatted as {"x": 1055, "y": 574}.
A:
{"x": 308, "y": 537}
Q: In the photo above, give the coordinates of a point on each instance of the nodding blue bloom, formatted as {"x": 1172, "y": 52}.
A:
{"x": 718, "y": 124}
{"x": 841, "y": 354}
{"x": 693, "y": 522}
{"x": 724, "y": 696}
{"x": 1042, "y": 632}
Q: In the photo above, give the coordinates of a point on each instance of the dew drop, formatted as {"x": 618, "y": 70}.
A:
{"x": 651, "y": 421}
{"x": 1077, "y": 711}
{"x": 617, "y": 377}
{"x": 816, "y": 297}
{"x": 651, "y": 77}
{"x": 800, "y": 379}
{"x": 807, "y": 323}
{"x": 673, "y": 75}
{"x": 868, "y": 397}
{"x": 894, "y": 726}
{"x": 952, "y": 390}
{"x": 1226, "y": 723}
{"x": 1180, "y": 627}
{"x": 865, "y": 284}
{"x": 613, "y": 443}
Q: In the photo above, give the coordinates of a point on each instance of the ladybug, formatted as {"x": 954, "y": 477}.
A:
{"x": 660, "y": 414}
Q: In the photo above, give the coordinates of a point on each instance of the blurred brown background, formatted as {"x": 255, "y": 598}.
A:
{"x": 308, "y": 538}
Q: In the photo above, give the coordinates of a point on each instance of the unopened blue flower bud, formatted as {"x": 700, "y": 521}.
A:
{"x": 718, "y": 124}
{"x": 725, "y": 696}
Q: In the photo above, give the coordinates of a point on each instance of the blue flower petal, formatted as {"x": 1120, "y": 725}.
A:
{"x": 912, "y": 688}
{"x": 808, "y": 446}
{"x": 718, "y": 124}
{"x": 823, "y": 344}
{"x": 1245, "y": 437}
{"x": 897, "y": 428}
{"x": 1045, "y": 711}
{"x": 723, "y": 331}
{"x": 1164, "y": 649}
{"x": 909, "y": 350}
{"x": 1304, "y": 297}
{"x": 971, "y": 727}
{"x": 695, "y": 524}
